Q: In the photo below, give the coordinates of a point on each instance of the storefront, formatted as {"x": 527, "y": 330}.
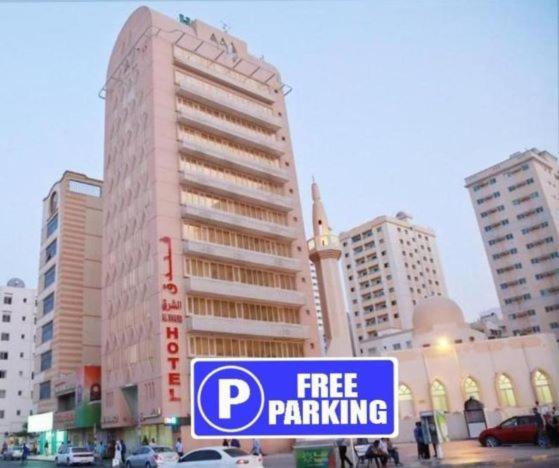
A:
{"x": 48, "y": 438}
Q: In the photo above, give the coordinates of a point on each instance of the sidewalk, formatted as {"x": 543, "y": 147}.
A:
{"x": 456, "y": 453}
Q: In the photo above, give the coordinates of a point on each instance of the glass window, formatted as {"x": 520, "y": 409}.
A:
{"x": 6, "y": 317}
{"x": 48, "y": 304}
{"x": 46, "y": 332}
{"x": 49, "y": 276}
{"x": 542, "y": 387}
{"x": 50, "y": 251}
{"x": 7, "y": 300}
{"x": 52, "y": 225}
{"x": 506, "y": 390}
{"x": 84, "y": 188}
{"x": 3, "y": 355}
{"x": 5, "y": 337}
{"x": 471, "y": 389}
{"x": 438, "y": 394}
{"x": 44, "y": 390}
{"x": 46, "y": 360}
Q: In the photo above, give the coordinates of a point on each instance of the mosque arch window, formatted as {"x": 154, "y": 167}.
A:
{"x": 471, "y": 388}
{"x": 542, "y": 387}
{"x": 405, "y": 401}
{"x": 438, "y": 395}
{"x": 505, "y": 389}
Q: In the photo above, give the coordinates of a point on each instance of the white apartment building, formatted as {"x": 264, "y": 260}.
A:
{"x": 517, "y": 208}
{"x": 16, "y": 355}
{"x": 388, "y": 265}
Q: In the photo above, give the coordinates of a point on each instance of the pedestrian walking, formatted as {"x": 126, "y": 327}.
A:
{"x": 123, "y": 451}
{"x": 342, "y": 452}
{"x": 256, "y": 447}
{"x": 24, "y": 453}
{"x": 118, "y": 454}
{"x": 179, "y": 448}
{"x": 47, "y": 448}
{"x": 540, "y": 424}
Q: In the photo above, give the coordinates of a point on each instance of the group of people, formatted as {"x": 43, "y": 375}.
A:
{"x": 256, "y": 446}
{"x": 547, "y": 421}
{"x": 380, "y": 451}
{"x": 423, "y": 452}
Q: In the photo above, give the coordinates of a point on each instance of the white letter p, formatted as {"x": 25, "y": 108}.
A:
{"x": 226, "y": 399}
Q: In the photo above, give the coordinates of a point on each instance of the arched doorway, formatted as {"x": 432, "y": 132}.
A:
{"x": 474, "y": 415}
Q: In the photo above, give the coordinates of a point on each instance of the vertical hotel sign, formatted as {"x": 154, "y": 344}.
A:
{"x": 171, "y": 315}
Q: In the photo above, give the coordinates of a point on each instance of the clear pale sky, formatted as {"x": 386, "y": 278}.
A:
{"x": 394, "y": 103}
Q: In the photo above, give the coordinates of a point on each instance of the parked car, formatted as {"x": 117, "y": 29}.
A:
{"x": 151, "y": 456}
{"x": 13, "y": 453}
{"x": 516, "y": 430}
{"x": 74, "y": 456}
{"x": 219, "y": 457}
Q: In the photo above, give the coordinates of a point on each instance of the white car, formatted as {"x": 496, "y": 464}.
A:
{"x": 74, "y": 456}
{"x": 13, "y": 453}
{"x": 219, "y": 457}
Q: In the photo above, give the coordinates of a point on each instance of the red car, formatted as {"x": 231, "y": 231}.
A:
{"x": 517, "y": 430}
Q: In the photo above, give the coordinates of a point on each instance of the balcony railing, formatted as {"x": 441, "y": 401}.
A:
{"x": 208, "y": 122}
{"x": 223, "y": 74}
{"x": 220, "y": 186}
{"x": 232, "y": 220}
{"x": 226, "y": 157}
{"x": 205, "y": 93}
{"x": 237, "y": 326}
{"x": 240, "y": 256}
{"x": 227, "y": 289}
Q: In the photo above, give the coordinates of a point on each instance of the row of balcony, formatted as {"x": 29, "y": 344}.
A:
{"x": 224, "y": 75}
{"x": 239, "y": 222}
{"x": 193, "y": 178}
{"x": 203, "y": 93}
{"x": 209, "y": 123}
{"x": 235, "y": 326}
{"x": 230, "y": 159}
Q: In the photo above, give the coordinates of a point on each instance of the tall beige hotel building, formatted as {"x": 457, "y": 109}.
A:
{"x": 204, "y": 251}
{"x": 517, "y": 207}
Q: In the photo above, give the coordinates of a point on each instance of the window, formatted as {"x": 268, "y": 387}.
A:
{"x": 46, "y": 360}
{"x": 46, "y": 332}
{"x": 52, "y": 225}
{"x": 2, "y": 393}
{"x": 84, "y": 189}
{"x": 471, "y": 388}
{"x": 44, "y": 390}
{"x": 505, "y": 390}
{"x": 542, "y": 388}
{"x": 405, "y": 401}
{"x": 3, "y": 374}
{"x": 6, "y": 318}
{"x": 5, "y": 337}
{"x": 438, "y": 395}
{"x": 48, "y": 304}
{"x": 49, "y": 277}
{"x": 3, "y": 355}
{"x": 7, "y": 300}
{"x": 50, "y": 251}
{"x": 202, "y": 455}
{"x": 2, "y": 414}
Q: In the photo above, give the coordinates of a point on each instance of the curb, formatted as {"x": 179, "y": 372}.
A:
{"x": 505, "y": 462}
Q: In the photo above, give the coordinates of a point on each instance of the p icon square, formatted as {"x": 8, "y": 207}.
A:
{"x": 294, "y": 397}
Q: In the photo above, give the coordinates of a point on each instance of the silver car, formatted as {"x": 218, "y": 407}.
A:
{"x": 151, "y": 456}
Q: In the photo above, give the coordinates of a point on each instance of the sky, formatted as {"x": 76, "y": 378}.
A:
{"x": 394, "y": 103}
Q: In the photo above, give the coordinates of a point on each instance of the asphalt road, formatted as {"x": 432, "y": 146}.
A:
{"x": 43, "y": 464}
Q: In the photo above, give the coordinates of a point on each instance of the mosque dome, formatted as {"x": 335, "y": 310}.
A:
{"x": 436, "y": 310}
{"x": 16, "y": 283}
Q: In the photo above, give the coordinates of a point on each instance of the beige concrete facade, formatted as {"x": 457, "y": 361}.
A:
{"x": 389, "y": 264}
{"x": 204, "y": 250}
{"x": 18, "y": 308}
{"x": 69, "y": 289}
{"x": 517, "y": 208}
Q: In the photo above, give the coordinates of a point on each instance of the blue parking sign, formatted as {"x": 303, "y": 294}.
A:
{"x": 286, "y": 398}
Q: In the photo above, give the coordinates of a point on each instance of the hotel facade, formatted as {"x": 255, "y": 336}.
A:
{"x": 517, "y": 208}
{"x": 389, "y": 264}
{"x": 204, "y": 250}
{"x": 67, "y": 331}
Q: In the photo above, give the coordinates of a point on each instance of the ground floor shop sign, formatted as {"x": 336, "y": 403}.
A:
{"x": 294, "y": 398}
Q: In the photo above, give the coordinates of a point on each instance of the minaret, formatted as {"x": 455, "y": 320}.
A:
{"x": 324, "y": 252}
